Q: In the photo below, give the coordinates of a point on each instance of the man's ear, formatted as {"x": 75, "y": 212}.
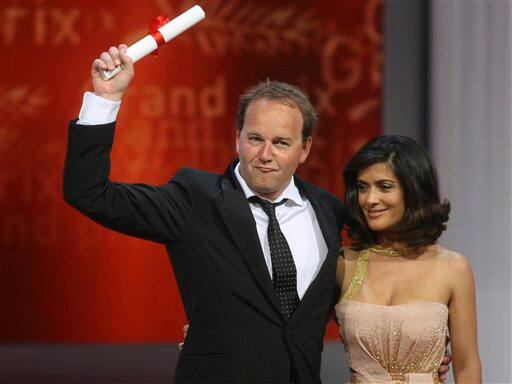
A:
{"x": 306, "y": 147}
{"x": 237, "y": 141}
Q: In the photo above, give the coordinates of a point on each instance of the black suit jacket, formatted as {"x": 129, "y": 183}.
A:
{"x": 237, "y": 333}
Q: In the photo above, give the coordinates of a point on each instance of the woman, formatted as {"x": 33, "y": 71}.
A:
{"x": 399, "y": 288}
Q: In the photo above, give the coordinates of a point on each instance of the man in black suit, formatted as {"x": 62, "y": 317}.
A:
{"x": 254, "y": 250}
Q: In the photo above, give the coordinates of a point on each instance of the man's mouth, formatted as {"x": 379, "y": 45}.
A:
{"x": 265, "y": 169}
{"x": 376, "y": 212}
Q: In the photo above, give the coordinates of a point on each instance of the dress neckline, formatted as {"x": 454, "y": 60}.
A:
{"x": 394, "y": 305}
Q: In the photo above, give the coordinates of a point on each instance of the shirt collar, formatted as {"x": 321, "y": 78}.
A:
{"x": 291, "y": 192}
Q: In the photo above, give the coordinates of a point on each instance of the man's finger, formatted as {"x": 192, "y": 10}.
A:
{"x": 98, "y": 64}
{"x": 125, "y": 59}
{"x": 442, "y": 378}
{"x": 105, "y": 56}
{"x": 447, "y": 359}
{"x": 114, "y": 53}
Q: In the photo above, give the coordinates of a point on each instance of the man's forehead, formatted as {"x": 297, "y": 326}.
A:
{"x": 266, "y": 111}
{"x": 273, "y": 119}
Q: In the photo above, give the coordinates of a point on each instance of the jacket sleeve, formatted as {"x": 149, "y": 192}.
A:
{"x": 158, "y": 213}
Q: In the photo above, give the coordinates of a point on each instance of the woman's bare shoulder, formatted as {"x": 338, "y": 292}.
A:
{"x": 346, "y": 266}
{"x": 454, "y": 263}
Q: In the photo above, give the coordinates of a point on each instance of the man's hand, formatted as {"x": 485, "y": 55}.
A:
{"x": 444, "y": 367}
{"x": 114, "y": 88}
{"x": 185, "y": 330}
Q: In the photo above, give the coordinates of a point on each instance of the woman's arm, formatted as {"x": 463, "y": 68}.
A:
{"x": 467, "y": 367}
{"x": 340, "y": 272}
{"x": 340, "y": 269}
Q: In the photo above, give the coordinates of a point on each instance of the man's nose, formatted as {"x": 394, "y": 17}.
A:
{"x": 265, "y": 153}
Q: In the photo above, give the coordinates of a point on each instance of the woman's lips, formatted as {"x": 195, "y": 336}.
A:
{"x": 373, "y": 213}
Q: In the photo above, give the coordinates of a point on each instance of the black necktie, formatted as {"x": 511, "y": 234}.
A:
{"x": 284, "y": 273}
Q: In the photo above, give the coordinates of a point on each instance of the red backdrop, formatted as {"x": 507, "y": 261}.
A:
{"x": 66, "y": 279}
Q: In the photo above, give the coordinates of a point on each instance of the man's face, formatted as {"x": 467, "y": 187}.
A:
{"x": 270, "y": 146}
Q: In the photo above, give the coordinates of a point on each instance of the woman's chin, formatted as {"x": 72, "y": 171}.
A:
{"x": 379, "y": 227}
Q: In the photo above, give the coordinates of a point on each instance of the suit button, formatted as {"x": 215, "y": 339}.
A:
{"x": 288, "y": 332}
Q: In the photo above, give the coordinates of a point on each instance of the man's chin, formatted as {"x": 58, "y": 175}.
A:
{"x": 262, "y": 185}
{"x": 264, "y": 190}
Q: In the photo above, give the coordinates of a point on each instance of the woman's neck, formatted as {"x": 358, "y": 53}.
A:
{"x": 388, "y": 242}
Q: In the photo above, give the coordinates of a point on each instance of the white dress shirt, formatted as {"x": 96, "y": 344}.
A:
{"x": 97, "y": 110}
{"x": 296, "y": 217}
{"x": 298, "y": 222}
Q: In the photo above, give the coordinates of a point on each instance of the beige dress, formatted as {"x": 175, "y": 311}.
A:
{"x": 391, "y": 344}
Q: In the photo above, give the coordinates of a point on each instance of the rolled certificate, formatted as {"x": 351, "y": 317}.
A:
{"x": 164, "y": 34}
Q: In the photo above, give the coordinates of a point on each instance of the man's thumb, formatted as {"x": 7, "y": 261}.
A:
{"x": 126, "y": 60}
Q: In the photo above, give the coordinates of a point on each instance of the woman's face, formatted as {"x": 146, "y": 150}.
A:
{"x": 380, "y": 197}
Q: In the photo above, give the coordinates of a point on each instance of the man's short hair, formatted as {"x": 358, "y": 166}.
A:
{"x": 282, "y": 93}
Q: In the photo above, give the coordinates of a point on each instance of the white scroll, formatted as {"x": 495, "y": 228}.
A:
{"x": 168, "y": 31}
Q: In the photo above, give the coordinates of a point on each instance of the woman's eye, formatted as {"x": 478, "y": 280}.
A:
{"x": 386, "y": 187}
{"x": 361, "y": 188}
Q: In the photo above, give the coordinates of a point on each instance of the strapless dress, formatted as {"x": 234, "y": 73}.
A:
{"x": 397, "y": 344}
{"x": 393, "y": 344}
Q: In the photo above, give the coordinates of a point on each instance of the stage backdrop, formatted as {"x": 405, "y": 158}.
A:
{"x": 65, "y": 278}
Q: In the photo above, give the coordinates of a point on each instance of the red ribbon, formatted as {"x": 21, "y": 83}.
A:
{"x": 156, "y": 23}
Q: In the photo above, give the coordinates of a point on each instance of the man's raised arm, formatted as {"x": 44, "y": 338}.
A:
{"x": 158, "y": 213}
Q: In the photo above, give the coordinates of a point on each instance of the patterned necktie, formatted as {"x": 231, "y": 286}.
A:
{"x": 284, "y": 273}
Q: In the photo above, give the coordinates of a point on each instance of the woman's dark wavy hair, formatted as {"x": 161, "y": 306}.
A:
{"x": 425, "y": 214}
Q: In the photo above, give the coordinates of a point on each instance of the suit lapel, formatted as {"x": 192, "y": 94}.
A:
{"x": 239, "y": 220}
{"x": 326, "y": 221}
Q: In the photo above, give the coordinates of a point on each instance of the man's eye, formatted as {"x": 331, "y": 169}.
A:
{"x": 282, "y": 144}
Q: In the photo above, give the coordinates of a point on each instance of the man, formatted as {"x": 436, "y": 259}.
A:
{"x": 254, "y": 250}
